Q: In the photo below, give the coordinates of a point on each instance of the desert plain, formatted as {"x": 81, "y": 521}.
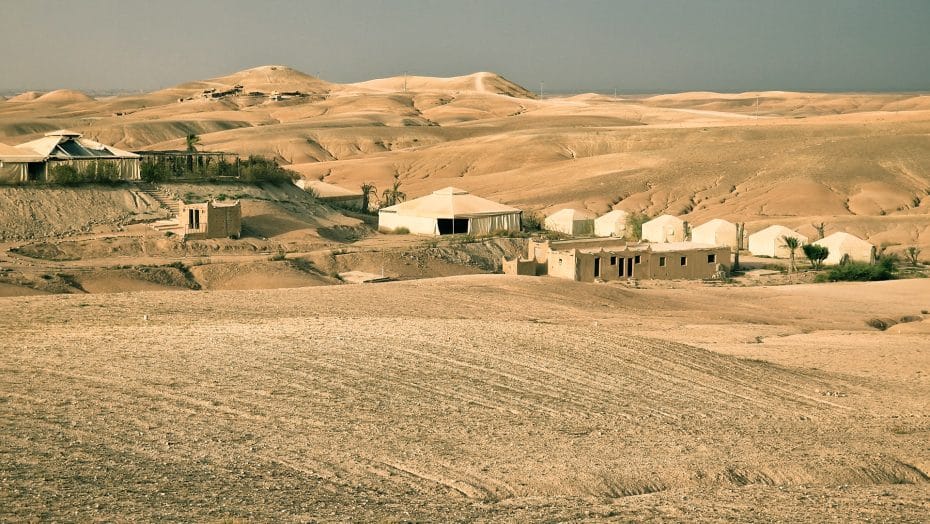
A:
{"x": 145, "y": 378}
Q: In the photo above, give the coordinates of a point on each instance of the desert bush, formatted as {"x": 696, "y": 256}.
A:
{"x": 860, "y": 272}
{"x": 531, "y": 222}
{"x": 64, "y": 174}
{"x": 400, "y": 231}
{"x": 634, "y": 225}
{"x": 912, "y": 253}
{"x": 816, "y": 254}
{"x": 259, "y": 169}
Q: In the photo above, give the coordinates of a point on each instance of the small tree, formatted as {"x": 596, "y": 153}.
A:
{"x": 820, "y": 230}
{"x": 634, "y": 225}
{"x": 816, "y": 254}
{"x": 740, "y": 229}
{"x": 792, "y": 244}
{"x": 912, "y": 253}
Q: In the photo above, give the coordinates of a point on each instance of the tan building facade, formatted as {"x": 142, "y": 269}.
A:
{"x": 612, "y": 259}
{"x": 210, "y": 220}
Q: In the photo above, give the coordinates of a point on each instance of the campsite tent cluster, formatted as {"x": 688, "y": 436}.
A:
{"x": 769, "y": 242}
{"x": 35, "y": 160}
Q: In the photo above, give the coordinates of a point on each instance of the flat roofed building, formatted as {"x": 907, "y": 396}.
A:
{"x": 611, "y": 259}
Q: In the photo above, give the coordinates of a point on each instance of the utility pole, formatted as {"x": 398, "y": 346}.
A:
{"x": 405, "y": 81}
{"x": 541, "y": 84}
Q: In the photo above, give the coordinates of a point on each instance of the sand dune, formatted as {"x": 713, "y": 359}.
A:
{"x": 855, "y": 159}
{"x": 63, "y": 97}
{"x": 482, "y": 82}
{"x": 27, "y": 96}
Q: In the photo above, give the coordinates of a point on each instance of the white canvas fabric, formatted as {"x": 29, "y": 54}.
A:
{"x": 422, "y": 215}
{"x": 664, "y": 228}
{"x": 612, "y": 224}
{"x": 717, "y": 232}
{"x": 770, "y": 241}
{"x": 577, "y": 222}
{"x": 843, "y": 244}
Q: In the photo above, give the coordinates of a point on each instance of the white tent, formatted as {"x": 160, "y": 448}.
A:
{"x": 664, "y": 228}
{"x": 843, "y": 244}
{"x": 68, "y": 147}
{"x": 15, "y": 164}
{"x": 571, "y": 222}
{"x": 770, "y": 241}
{"x": 717, "y": 232}
{"x": 449, "y": 211}
{"x": 612, "y": 224}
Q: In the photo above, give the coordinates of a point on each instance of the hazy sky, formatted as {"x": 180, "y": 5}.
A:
{"x": 631, "y": 45}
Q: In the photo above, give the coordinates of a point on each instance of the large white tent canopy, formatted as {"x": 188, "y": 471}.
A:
{"x": 449, "y": 211}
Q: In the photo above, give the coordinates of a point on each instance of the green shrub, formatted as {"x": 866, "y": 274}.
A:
{"x": 64, "y": 174}
{"x": 816, "y": 254}
{"x": 531, "y": 222}
{"x": 860, "y": 272}
{"x": 259, "y": 169}
{"x": 634, "y": 225}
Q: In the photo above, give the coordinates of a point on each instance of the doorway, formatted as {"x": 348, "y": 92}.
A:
{"x": 597, "y": 267}
{"x": 452, "y": 226}
{"x": 34, "y": 171}
{"x": 629, "y": 267}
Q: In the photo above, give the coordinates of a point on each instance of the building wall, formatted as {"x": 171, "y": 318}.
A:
{"x": 616, "y": 265}
{"x": 519, "y": 266}
{"x": 215, "y": 221}
{"x": 561, "y": 264}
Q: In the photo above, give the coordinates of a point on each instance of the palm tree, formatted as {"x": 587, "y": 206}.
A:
{"x": 367, "y": 190}
{"x": 393, "y": 195}
{"x": 192, "y": 141}
{"x": 793, "y": 244}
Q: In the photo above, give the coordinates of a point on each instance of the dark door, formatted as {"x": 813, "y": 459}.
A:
{"x": 597, "y": 267}
{"x": 34, "y": 171}
{"x": 452, "y": 226}
{"x": 629, "y": 267}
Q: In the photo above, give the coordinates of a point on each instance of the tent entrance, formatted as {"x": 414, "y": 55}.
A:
{"x": 34, "y": 171}
{"x": 452, "y": 226}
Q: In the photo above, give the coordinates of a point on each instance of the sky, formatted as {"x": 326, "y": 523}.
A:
{"x": 568, "y": 46}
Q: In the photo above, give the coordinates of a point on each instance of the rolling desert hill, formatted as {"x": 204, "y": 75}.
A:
{"x": 855, "y": 161}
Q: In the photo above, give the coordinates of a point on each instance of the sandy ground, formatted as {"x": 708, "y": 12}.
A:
{"x": 467, "y": 398}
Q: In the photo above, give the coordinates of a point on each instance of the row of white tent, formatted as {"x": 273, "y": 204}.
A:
{"x": 667, "y": 228}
